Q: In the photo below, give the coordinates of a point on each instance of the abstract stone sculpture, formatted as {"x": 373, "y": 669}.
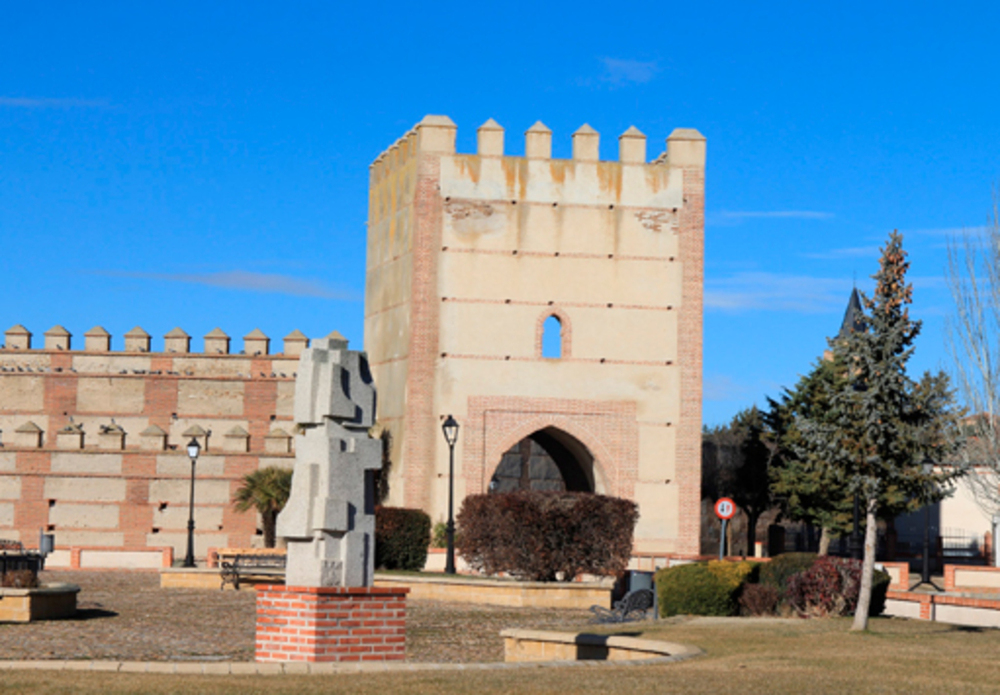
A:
{"x": 329, "y": 520}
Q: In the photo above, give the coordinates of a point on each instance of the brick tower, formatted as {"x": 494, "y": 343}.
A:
{"x": 473, "y": 259}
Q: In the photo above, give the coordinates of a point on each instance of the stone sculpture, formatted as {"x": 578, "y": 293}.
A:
{"x": 329, "y": 520}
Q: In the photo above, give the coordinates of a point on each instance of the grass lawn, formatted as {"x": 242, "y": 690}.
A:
{"x": 742, "y": 656}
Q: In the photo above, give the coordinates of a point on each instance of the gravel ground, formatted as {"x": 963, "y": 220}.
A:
{"x": 127, "y": 616}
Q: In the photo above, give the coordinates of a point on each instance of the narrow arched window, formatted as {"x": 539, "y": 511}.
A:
{"x": 552, "y": 346}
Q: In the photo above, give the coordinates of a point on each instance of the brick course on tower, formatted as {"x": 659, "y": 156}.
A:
{"x": 469, "y": 254}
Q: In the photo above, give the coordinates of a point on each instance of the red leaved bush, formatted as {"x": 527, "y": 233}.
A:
{"x": 547, "y": 536}
{"x": 829, "y": 587}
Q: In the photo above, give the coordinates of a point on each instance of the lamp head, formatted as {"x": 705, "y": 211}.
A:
{"x": 450, "y": 429}
{"x": 194, "y": 448}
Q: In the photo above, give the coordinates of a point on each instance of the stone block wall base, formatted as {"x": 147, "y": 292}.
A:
{"x": 330, "y": 624}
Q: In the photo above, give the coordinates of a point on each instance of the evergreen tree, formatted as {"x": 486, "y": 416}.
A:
{"x": 265, "y": 490}
{"x": 735, "y": 460}
{"x": 808, "y": 488}
{"x": 752, "y": 486}
{"x": 882, "y": 426}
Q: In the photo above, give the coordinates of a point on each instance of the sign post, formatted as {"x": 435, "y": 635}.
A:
{"x": 725, "y": 508}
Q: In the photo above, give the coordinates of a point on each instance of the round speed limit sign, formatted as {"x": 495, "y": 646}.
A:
{"x": 725, "y": 508}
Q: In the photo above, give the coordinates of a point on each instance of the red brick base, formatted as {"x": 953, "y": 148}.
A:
{"x": 329, "y": 624}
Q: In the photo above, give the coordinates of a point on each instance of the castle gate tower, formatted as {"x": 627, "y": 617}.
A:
{"x": 554, "y": 307}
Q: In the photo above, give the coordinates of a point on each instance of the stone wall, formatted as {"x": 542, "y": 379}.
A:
{"x": 93, "y": 440}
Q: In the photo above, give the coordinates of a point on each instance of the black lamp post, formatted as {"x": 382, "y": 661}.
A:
{"x": 925, "y": 571}
{"x": 193, "y": 449}
{"x": 450, "y": 429}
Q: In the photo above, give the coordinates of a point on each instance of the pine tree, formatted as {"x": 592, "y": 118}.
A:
{"x": 266, "y": 490}
{"x": 752, "y": 487}
{"x": 882, "y": 426}
{"x": 735, "y": 460}
{"x": 808, "y": 488}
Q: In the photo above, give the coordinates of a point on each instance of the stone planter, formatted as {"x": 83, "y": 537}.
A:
{"x": 47, "y": 602}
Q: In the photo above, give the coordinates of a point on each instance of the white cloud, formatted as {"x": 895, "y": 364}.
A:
{"x": 771, "y": 291}
{"x": 619, "y": 71}
{"x": 731, "y": 217}
{"x": 50, "y": 103}
{"x": 946, "y": 231}
{"x": 254, "y": 282}
{"x": 722, "y": 387}
{"x": 852, "y": 252}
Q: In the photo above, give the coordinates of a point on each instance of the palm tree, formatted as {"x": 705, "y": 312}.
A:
{"x": 265, "y": 490}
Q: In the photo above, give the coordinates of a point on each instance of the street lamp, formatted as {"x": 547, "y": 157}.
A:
{"x": 925, "y": 573}
{"x": 193, "y": 449}
{"x": 450, "y": 429}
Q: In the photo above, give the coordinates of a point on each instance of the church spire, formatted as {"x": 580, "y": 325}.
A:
{"x": 854, "y": 317}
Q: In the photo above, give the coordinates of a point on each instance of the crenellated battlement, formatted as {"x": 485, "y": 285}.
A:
{"x": 685, "y": 147}
{"x": 534, "y": 177}
{"x": 138, "y": 341}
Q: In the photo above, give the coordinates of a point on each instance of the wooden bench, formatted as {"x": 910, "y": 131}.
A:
{"x": 633, "y": 606}
{"x": 252, "y": 565}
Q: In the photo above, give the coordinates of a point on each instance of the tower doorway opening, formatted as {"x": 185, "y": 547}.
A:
{"x": 546, "y": 460}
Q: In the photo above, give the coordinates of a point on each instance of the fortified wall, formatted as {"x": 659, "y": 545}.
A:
{"x": 92, "y": 440}
{"x": 473, "y": 257}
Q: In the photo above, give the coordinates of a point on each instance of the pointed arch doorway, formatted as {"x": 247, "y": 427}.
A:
{"x": 548, "y": 459}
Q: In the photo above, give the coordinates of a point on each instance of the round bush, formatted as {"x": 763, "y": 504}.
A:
{"x": 547, "y": 536}
{"x": 401, "y": 538}
{"x": 694, "y": 590}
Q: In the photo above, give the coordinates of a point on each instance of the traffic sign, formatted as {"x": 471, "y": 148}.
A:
{"x": 725, "y": 508}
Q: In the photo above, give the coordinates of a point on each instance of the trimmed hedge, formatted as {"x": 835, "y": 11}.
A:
{"x": 547, "y": 536}
{"x": 702, "y": 589}
{"x": 401, "y": 538}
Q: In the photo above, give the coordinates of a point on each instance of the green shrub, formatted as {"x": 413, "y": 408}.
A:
{"x": 695, "y": 589}
{"x": 401, "y": 538}
{"x": 735, "y": 574}
{"x": 780, "y": 569}
{"x": 439, "y": 535}
{"x": 547, "y": 536}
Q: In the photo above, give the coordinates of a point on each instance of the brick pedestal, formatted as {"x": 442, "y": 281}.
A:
{"x": 330, "y": 624}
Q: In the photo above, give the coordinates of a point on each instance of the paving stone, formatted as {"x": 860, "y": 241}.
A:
{"x": 216, "y": 668}
{"x": 104, "y": 665}
{"x": 160, "y": 667}
{"x": 246, "y": 669}
{"x": 188, "y": 669}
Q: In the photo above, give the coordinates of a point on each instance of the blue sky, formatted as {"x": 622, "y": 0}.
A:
{"x": 205, "y": 164}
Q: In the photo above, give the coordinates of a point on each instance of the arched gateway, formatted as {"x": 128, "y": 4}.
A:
{"x": 546, "y": 460}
